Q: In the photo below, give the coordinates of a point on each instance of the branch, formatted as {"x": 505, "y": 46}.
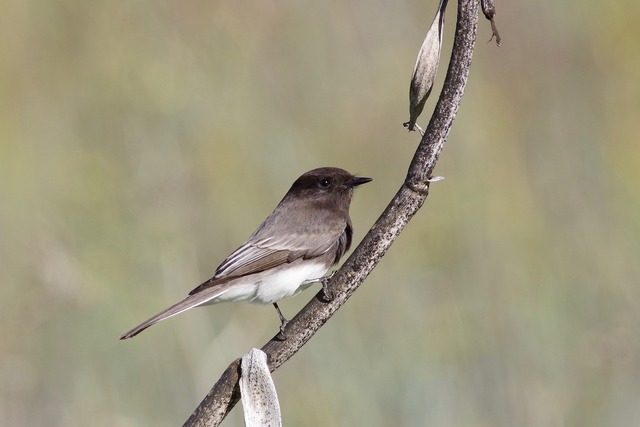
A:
{"x": 407, "y": 201}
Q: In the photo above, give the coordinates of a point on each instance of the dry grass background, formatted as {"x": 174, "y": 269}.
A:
{"x": 142, "y": 141}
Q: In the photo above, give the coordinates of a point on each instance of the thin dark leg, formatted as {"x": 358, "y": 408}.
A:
{"x": 283, "y": 321}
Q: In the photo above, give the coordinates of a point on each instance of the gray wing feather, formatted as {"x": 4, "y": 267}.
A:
{"x": 260, "y": 255}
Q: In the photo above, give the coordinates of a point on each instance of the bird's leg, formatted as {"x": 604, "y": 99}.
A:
{"x": 283, "y": 322}
{"x": 328, "y": 295}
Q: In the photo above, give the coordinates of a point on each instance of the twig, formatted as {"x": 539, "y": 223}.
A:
{"x": 489, "y": 11}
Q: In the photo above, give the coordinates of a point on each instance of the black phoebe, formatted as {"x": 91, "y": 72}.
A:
{"x": 306, "y": 234}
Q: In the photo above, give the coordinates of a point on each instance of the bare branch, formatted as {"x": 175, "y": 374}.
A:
{"x": 409, "y": 198}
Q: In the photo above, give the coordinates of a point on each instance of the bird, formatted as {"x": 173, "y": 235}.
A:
{"x": 306, "y": 234}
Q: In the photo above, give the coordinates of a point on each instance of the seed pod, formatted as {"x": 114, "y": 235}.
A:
{"x": 424, "y": 72}
{"x": 257, "y": 391}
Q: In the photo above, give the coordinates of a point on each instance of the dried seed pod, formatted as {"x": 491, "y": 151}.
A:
{"x": 257, "y": 391}
{"x": 424, "y": 72}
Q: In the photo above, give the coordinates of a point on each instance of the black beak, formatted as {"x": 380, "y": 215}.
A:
{"x": 358, "y": 180}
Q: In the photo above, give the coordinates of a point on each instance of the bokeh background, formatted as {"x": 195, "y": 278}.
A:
{"x": 142, "y": 141}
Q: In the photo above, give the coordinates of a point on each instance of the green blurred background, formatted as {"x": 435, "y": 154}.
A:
{"x": 143, "y": 141}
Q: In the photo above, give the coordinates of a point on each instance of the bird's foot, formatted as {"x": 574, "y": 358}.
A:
{"x": 328, "y": 294}
{"x": 281, "y": 335}
{"x": 283, "y": 323}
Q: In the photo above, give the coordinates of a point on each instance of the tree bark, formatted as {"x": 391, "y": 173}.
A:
{"x": 407, "y": 201}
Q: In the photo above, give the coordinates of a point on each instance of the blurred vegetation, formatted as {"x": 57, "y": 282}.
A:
{"x": 142, "y": 141}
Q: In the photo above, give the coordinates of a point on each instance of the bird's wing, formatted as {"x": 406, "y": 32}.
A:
{"x": 258, "y": 255}
{"x": 255, "y": 256}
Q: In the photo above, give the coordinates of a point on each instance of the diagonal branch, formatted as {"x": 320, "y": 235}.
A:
{"x": 407, "y": 201}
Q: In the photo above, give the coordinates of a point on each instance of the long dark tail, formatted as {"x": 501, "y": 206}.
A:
{"x": 184, "y": 305}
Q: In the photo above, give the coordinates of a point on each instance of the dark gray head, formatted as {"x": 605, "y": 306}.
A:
{"x": 326, "y": 185}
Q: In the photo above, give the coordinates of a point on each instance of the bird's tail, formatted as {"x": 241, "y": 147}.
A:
{"x": 189, "y": 302}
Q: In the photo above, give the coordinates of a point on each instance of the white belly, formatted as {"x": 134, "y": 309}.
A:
{"x": 270, "y": 287}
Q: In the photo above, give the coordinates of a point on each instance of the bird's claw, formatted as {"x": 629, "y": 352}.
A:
{"x": 281, "y": 335}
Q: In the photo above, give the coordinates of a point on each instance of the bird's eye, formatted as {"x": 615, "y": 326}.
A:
{"x": 324, "y": 183}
